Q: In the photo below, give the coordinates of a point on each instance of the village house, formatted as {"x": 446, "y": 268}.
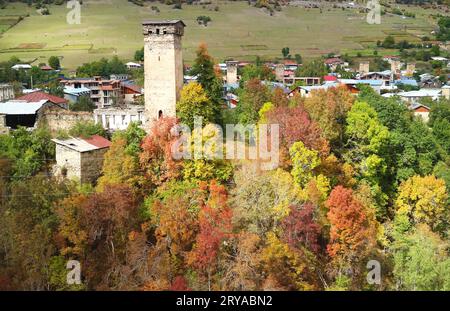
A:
{"x": 133, "y": 65}
{"x": 420, "y": 111}
{"x": 131, "y": 92}
{"x": 104, "y": 93}
{"x": 113, "y": 119}
{"x": 24, "y": 113}
{"x": 21, "y": 67}
{"x": 39, "y": 95}
{"x": 414, "y": 97}
{"x": 334, "y": 62}
{"x": 6, "y": 92}
{"x": 80, "y": 158}
{"x": 308, "y": 81}
{"x": 73, "y": 95}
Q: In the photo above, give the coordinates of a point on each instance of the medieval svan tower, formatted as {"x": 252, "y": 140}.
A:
{"x": 163, "y": 68}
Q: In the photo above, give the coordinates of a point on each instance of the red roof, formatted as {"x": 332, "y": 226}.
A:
{"x": 133, "y": 87}
{"x": 329, "y": 78}
{"x": 333, "y": 60}
{"x": 106, "y": 87}
{"x": 98, "y": 141}
{"x": 290, "y": 62}
{"x": 38, "y": 96}
{"x": 45, "y": 67}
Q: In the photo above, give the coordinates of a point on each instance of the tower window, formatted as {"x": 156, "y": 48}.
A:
{"x": 160, "y": 114}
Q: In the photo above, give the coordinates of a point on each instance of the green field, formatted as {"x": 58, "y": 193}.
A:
{"x": 237, "y": 30}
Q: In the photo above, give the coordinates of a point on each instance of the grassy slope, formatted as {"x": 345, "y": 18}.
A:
{"x": 111, "y": 27}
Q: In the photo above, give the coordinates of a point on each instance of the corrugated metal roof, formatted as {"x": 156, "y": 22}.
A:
{"x": 18, "y": 107}
{"x": 84, "y": 144}
{"x": 76, "y": 91}
{"x": 38, "y": 95}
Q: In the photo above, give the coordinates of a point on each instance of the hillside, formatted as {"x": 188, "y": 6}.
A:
{"x": 113, "y": 27}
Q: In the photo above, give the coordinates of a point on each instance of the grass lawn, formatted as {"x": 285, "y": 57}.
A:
{"x": 113, "y": 27}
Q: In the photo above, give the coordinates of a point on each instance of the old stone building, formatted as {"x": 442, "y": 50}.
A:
{"x": 80, "y": 159}
{"x": 163, "y": 67}
{"x": 113, "y": 119}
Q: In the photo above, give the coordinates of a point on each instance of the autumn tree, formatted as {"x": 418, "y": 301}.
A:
{"x": 243, "y": 264}
{"x": 195, "y": 102}
{"x": 295, "y": 125}
{"x": 422, "y": 200}
{"x": 329, "y": 108}
{"x": 251, "y": 99}
{"x": 121, "y": 161}
{"x": 352, "y": 236}
{"x": 95, "y": 229}
{"x": 261, "y": 201}
{"x": 28, "y": 226}
{"x": 214, "y": 228}
{"x": 156, "y": 158}
{"x": 206, "y": 161}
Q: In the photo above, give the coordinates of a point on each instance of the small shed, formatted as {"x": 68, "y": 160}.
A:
{"x": 80, "y": 158}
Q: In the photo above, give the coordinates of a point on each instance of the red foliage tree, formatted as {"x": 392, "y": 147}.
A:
{"x": 215, "y": 226}
{"x": 351, "y": 233}
{"x": 179, "y": 284}
{"x": 295, "y": 125}
{"x": 301, "y": 229}
{"x": 156, "y": 158}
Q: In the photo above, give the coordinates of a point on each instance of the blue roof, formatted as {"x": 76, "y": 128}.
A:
{"x": 355, "y": 81}
{"x": 76, "y": 91}
{"x": 411, "y": 82}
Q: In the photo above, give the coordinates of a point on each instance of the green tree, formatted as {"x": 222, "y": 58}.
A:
{"x": 207, "y": 76}
{"x": 315, "y": 68}
{"x": 421, "y": 261}
{"x": 285, "y": 52}
{"x": 53, "y": 62}
{"x": 84, "y": 103}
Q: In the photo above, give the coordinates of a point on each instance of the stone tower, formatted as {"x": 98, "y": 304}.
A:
{"x": 410, "y": 69}
{"x": 396, "y": 66}
{"x": 364, "y": 67}
{"x": 232, "y": 67}
{"x": 279, "y": 72}
{"x": 163, "y": 68}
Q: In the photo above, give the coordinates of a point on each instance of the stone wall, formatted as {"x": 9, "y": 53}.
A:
{"x": 84, "y": 167}
{"x": 63, "y": 119}
{"x": 91, "y": 165}
{"x": 68, "y": 163}
{"x": 3, "y": 128}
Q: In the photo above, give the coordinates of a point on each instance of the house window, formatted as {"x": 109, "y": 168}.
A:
{"x": 160, "y": 114}
{"x": 157, "y": 31}
{"x": 165, "y": 32}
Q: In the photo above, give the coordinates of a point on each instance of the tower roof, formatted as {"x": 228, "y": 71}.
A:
{"x": 164, "y": 22}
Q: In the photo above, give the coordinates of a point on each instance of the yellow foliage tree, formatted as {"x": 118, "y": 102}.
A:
{"x": 423, "y": 200}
